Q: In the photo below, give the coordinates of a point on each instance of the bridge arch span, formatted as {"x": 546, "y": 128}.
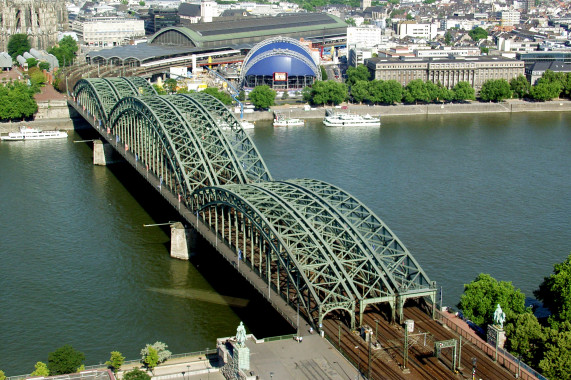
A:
{"x": 99, "y": 95}
{"x": 289, "y": 256}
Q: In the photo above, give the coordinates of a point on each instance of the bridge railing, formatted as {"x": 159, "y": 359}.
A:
{"x": 504, "y": 358}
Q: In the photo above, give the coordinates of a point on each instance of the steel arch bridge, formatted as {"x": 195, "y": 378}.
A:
{"x": 315, "y": 244}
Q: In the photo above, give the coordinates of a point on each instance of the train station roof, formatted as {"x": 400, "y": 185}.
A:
{"x": 142, "y": 52}
{"x": 251, "y": 30}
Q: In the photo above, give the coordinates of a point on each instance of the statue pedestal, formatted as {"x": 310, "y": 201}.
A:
{"x": 496, "y": 336}
{"x": 242, "y": 357}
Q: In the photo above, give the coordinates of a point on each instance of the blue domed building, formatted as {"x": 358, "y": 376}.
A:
{"x": 282, "y": 63}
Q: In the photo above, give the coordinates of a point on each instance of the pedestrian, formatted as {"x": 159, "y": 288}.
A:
{"x": 311, "y": 330}
{"x": 300, "y": 339}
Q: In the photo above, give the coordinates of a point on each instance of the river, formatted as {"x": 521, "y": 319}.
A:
{"x": 465, "y": 193}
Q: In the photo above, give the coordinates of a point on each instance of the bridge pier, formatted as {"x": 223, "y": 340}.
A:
{"x": 182, "y": 241}
{"x": 102, "y": 153}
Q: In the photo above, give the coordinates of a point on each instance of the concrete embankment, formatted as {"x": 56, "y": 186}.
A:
{"x": 56, "y": 113}
{"x": 510, "y": 106}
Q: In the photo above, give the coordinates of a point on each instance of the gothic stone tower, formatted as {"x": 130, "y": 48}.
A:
{"x": 39, "y": 19}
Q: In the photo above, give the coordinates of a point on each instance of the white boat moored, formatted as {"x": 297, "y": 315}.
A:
{"x": 342, "y": 119}
{"x": 29, "y": 133}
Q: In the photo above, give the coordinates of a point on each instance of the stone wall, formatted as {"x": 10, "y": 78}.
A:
{"x": 39, "y": 19}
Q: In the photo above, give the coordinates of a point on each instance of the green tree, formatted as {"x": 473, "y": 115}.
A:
{"x": 448, "y": 38}
{"x": 170, "y": 85}
{"x": 478, "y": 34}
{"x": 360, "y": 91}
{"x": 159, "y": 89}
{"x": 495, "y": 90}
{"x": 242, "y": 95}
{"x": 416, "y": 91}
{"x": 557, "y": 353}
{"x": 285, "y": 95}
{"x": 306, "y": 94}
{"x": 324, "y": 75}
{"x": 18, "y": 44}
{"x": 358, "y": 73}
{"x": 220, "y": 95}
{"x": 262, "y": 97}
{"x": 520, "y": 86}
{"x": 44, "y": 66}
{"x": 65, "y": 51}
{"x": 37, "y": 77}
{"x": 17, "y": 101}
{"x": 40, "y": 369}
{"x": 482, "y": 295}
{"x": 463, "y": 91}
{"x": 115, "y": 361}
{"x": 525, "y": 338}
{"x": 543, "y": 91}
{"x": 2, "y": 375}
{"x": 32, "y": 62}
{"x": 392, "y": 92}
{"x": 151, "y": 358}
{"x": 136, "y": 374}
{"x": 328, "y": 92}
{"x": 555, "y": 291}
{"x": 65, "y": 360}
{"x": 142, "y": 3}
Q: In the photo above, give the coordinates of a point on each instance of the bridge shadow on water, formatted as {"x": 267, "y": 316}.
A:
{"x": 258, "y": 315}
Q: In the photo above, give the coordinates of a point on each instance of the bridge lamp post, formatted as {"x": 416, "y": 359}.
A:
{"x": 473, "y": 368}
{"x": 358, "y": 363}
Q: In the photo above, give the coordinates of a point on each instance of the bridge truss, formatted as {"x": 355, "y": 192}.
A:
{"x": 315, "y": 244}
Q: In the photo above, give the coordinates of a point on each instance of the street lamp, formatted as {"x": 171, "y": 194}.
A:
{"x": 188, "y": 370}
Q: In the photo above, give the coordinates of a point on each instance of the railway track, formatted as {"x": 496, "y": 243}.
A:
{"x": 387, "y": 362}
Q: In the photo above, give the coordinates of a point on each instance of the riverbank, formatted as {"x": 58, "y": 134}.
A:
{"x": 55, "y": 113}
{"x": 508, "y": 106}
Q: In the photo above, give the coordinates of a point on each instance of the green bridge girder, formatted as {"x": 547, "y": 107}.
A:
{"x": 315, "y": 244}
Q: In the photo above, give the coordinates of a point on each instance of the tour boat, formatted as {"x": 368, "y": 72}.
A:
{"x": 281, "y": 120}
{"x": 247, "y": 124}
{"x": 342, "y": 119}
{"x": 28, "y": 133}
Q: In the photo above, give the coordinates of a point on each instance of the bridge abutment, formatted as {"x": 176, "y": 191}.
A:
{"x": 182, "y": 241}
{"x": 102, "y": 153}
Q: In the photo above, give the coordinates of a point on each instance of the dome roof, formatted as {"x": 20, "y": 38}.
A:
{"x": 280, "y": 54}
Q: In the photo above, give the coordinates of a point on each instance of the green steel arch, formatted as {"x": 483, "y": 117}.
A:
{"x": 181, "y": 141}
{"x": 316, "y": 244}
{"x": 99, "y": 95}
{"x": 289, "y": 255}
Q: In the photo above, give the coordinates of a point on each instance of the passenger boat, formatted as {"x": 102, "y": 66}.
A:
{"x": 247, "y": 124}
{"x": 28, "y": 133}
{"x": 281, "y": 120}
{"x": 345, "y": 119}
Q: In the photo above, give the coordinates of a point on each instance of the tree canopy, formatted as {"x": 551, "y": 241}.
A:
{"x": 17, "y": 101}
{"x": 555, "y": 291}
{"x": 136, "y": 374}
{"x": 115, "y": 361}
{"x": 463, "y": 91}
{"x": 478, "y": 34}
{"x": 220, "y": 95}
{"x": 520, "y": 86}
{"x": 40, "y": 369}
{"x": 358, "y": 73}
{"x": 65, "y": 360}
{"x": 482, "y": 295}
{"x": 155, "y": 353}
{"x": 328, "y": 92}
{"x": 495, "y": 90}
{"x": 556, "y": 359}
{"x": 262, "y": 97}
{"x": 65, "y": 51}
{"x": 525, "y": 338}
{"x": 18, "y": 44}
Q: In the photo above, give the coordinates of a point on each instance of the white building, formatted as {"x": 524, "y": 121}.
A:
{"x": 510, "y": 18}
{"x": 366, "y": 36}
{"x": 208, "y": 10}
{"x": 357, "y": 56}
{"x": 110, "y": 31}
{"x": 447, "y": 51}
{"x": 413, "y": 29}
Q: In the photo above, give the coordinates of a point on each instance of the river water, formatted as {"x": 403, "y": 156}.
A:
{"x": 465, "y": 193}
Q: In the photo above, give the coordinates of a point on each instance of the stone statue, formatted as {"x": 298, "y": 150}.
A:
{"x": 241, "y": 335}
{"x": 499, "y": 317}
